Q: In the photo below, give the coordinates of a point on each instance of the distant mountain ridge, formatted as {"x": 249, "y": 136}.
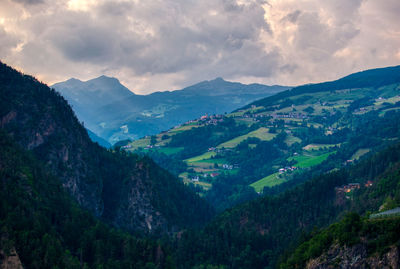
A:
{"x": 114, "y": 113}
{"x": 367, "y": 78}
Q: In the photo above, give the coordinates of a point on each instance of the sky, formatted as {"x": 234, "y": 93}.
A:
{"x": 162, "y": 45}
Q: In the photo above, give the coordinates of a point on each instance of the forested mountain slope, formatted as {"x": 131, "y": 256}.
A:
{"x": 370, "y": 241}
{"x": 41, "y": 227}
{"x": 256, "y": 234}
{"x": 127, "y": 191}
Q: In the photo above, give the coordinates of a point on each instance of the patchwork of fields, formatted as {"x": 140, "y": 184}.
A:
{"x": 303, "y": 113}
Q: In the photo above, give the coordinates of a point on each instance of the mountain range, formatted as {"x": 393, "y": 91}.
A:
{"x": 114, "y": 113}
{"x": 283, "y": 172}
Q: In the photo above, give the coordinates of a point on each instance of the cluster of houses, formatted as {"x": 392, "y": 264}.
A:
{"x": 227, "y": 166}
{"x": 230, "y": 166}
{"x": 217, "y": 150}
{"x": 287, "y": 169}
{"x": 291, "y": 115}
{"x": 361, "y": 109}
{"x": 196, "y": 178}
{"x": 126, "y": 147}
{"x": 214, "y": 119}
{"x": 368, "y": 184}
{"x": 205, "y": 119}
{"x": 347, "y": 188}
{"x": 151, "y": 146}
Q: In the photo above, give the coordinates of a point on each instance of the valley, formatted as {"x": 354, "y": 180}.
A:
{"x": 223, "y": 134}
{"x": 267, "y": 143}
{"x": 114, "y": 113}
{"x": 269, "y": 184}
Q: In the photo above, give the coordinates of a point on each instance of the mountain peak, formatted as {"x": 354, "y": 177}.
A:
{"x": 105, "y": 79}
{"x": 218, "y": 79}
{"x": 73, "y": 80}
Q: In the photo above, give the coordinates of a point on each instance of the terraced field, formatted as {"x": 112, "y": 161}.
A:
{"x": 203, "y": 156}
{"x": 308, "y": 160}
{"x": 268, "y": 181}
{"x": 359, "y": 153}
{"x": 311, "y": 147}
{"x": 261, "y": 133}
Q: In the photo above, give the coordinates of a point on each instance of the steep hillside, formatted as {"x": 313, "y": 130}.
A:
{"x": 41, "y": 226}
{"x": 126, "y": 190}
{"x": 255, "y": 234}
{"x": 282, "y": 140}
{"x": 98, "y": 140}
{"x": 351, "y": 243}
{"x": 354, "y": 242}
{"x": 114, "y": 113}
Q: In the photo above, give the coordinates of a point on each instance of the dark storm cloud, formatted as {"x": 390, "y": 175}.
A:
{"x": 159, "y": 44}
{"x": 29, "y": 2}
{"x": 171, "y": 37}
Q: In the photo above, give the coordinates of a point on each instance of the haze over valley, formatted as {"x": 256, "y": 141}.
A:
{"x": 114, "y": 113}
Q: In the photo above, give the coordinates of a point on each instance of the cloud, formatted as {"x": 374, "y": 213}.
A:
{"x": 166, "y": 44}
{"x": 325, "y": 40}
{"x": 28, "y": 2}
{"x": 8, "y": 42}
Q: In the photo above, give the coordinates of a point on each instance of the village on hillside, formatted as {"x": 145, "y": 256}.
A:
{"x": 317, "y": 114}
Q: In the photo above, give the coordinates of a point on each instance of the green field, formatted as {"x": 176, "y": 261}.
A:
{"x": 305, "y": 161}
{"x": 269, "y": 181}
{"x": 310, "y": 147}
{"x": 141, "y": 143}
{"x": 205, "y": 185}
{"x": 182, "y": 128}
{"x": 381, "y": 113}
{"x": 357, "y": 155}
{"x": 204, "y": 156}
{"x": 391, "y": 100}
{"x": 261, "y": 133}
{"x": 290, "y": 140}
{"x": 210, "y": 161}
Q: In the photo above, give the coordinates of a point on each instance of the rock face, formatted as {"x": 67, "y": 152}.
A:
{"x": 10, "y": 260}
{"x": 355, "y": 257}
{"x": 127, "y": 191}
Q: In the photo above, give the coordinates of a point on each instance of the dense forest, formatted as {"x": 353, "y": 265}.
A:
{"x": 48, "y": 230}
{"x": 256, "y": 234}
{"x": 365, "y": 237}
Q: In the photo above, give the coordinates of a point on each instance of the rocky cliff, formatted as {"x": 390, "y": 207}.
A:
{"x": 10, "y": 260}
{"x": 356, "y": 257}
